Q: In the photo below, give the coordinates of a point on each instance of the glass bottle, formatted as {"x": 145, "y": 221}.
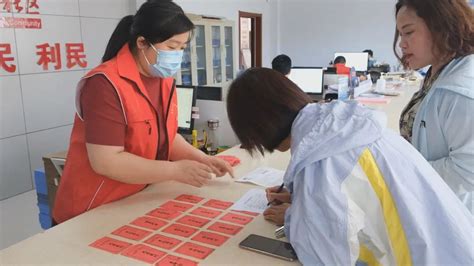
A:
{"x": 212, "y": 142}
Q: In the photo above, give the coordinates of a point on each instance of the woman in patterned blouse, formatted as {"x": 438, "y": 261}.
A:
{"x": 439, "y": 119}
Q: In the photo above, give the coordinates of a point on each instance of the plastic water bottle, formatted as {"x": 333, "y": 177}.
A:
{"x": 381, "y": 83}
{"x": 343, "y": 89}
{"x": 353, "y": 82}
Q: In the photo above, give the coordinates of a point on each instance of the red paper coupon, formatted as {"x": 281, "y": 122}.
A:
{"x": 248, "y": 213}
{"x": 218, "y": 204}
{"x": 236, "y": 218}
{"x": 228, "y": 229}
{"x": 148, "y": 222}
{"x": 110, "y": 245}
{"x": 177, "y": 206}
{"x": 180, "y": 230}
{"x": 210, "y": 238}
{"x": 162, "y": 241}
{"x": 194, "y": 250}
{"x": 232, "y": 160}
{"x": 206, "y": 212}
{"x": 144, "y": 253}
{"x": 193, "y": 221}
{"x": 131, "y": 232}
{"x": 164, "y": 213}
{"x": 189, "y": 198}
{"x": 171, "y": 260}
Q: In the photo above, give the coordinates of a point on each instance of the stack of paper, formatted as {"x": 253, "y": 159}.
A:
{"x": 264, "y": 176}
{"x": 255, "y": 200}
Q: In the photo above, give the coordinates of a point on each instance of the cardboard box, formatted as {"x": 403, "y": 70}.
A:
{"x": 53, "y": 165}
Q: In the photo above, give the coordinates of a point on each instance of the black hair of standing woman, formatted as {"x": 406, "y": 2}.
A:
{"x": 155, "y": 20}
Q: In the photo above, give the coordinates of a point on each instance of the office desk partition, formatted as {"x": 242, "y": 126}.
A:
{"x": 69, "y": 242}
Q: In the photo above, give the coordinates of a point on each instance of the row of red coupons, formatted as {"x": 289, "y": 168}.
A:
{"x": 189, "y": 226}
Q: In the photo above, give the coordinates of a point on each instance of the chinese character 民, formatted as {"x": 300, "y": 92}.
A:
{"x": 5, "y": 49}
{"x": 75, "y": 55}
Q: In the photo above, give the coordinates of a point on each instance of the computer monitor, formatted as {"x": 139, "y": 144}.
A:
{"x": 309, "y": 79}
{"x": 332, "y": 79}
{"x": 209, "y": 93}
{"x": 330, "y": 70}
{"x": 359, "y": 61}
{"x": 186, "y": 100}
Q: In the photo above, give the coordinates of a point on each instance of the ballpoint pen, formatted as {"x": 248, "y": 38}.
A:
{"x": 280, "y": 188}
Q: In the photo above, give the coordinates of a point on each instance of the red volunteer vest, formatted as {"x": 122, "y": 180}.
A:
{"x": 82, "y": 189}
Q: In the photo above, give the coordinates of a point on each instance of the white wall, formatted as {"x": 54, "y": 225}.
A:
{"x": 311, "y": 31}
{"x": 37, "y": 105}
{"x": 229, "y": 9}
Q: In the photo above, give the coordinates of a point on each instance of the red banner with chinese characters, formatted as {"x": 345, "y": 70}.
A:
{"x": 48, "y": 55}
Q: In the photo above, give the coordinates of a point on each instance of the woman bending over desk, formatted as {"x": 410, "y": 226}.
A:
{"x": 359, "y": 192}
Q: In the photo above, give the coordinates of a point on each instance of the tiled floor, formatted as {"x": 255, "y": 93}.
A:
{"x": 18, "y": 218}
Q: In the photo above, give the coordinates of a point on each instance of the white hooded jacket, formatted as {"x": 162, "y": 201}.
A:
{"x": 362, "y": 194}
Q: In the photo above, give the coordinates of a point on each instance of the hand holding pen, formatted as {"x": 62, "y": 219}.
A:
{"x": 277, "y": 195}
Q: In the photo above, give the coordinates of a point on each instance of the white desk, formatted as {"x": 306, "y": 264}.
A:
{"x": 68, "y": 242}
{"x": 396, "y": 105}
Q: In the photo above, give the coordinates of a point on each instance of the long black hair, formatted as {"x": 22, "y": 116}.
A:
{"x": 156, "y": 21}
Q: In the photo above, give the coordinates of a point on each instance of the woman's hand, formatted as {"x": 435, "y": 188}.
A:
{"x": 276, "y": 213}
{"x": 218, "y": 166}
{"x": 278, "y": 198}
{"x": 192, "y": 172}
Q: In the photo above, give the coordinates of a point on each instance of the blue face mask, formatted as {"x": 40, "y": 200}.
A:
{"x": 167, "y": 62}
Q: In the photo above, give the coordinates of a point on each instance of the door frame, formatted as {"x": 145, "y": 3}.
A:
{"x": 256, "y": 25}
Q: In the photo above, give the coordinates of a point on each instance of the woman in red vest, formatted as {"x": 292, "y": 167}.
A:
{"x": 125, "y": 130}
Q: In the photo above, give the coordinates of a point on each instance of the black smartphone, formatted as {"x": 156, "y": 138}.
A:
{"x": 268, "y": 246}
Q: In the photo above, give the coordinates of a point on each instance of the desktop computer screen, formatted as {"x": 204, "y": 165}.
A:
{"x": 309, "y": 79}
{"x": 209, "y": 93}
{"x": 186, "y": 100}
{"x": 357, "y": 60}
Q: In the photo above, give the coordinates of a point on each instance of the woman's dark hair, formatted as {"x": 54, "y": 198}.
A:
{"x": 451, "y": 24}
{"x": 262, "y": 105}
{"x": 156, "y": 21}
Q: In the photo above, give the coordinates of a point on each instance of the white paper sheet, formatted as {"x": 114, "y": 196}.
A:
{"x": 255, "y": 200}
{"x": 264, "y": 176}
